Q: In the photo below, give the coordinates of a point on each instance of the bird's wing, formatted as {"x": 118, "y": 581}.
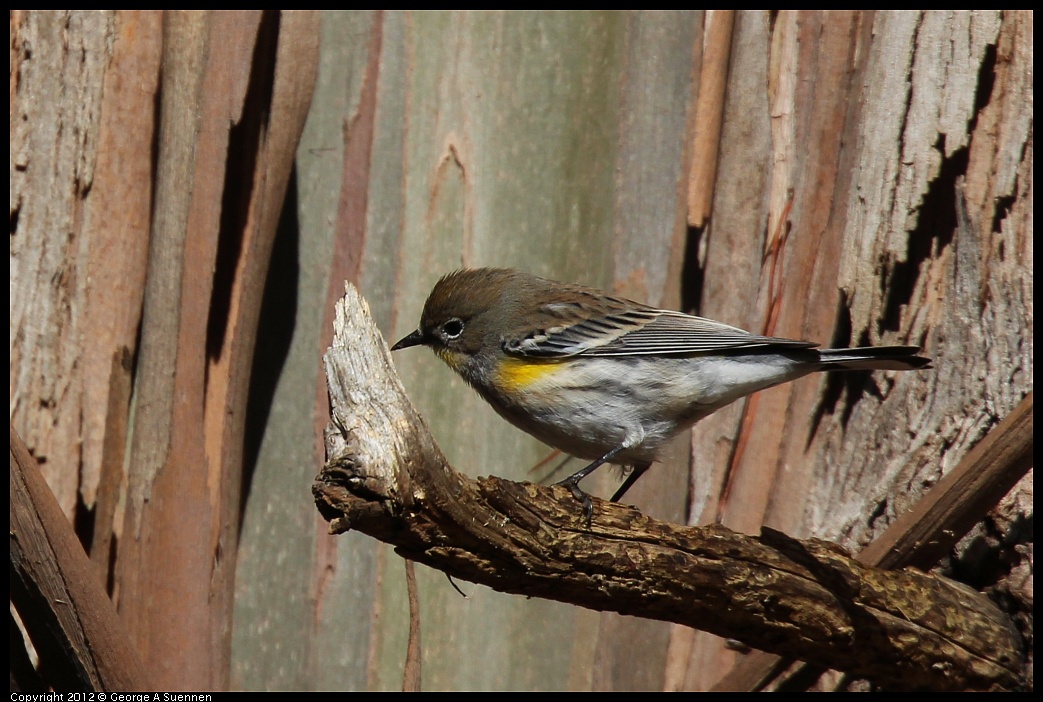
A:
{"x": 630, "y": 330}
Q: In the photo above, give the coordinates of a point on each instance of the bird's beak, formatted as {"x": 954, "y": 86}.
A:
{"x": 416, "y": 338}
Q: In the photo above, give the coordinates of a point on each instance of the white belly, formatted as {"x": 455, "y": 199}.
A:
{"x": 588, "y": 406}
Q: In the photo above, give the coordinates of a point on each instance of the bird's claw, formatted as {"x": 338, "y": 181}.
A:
{"x": 584, "y": 498}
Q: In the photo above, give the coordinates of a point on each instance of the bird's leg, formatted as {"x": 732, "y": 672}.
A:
{"x": 636, "y": 472}
{"x": 572, "y": 482}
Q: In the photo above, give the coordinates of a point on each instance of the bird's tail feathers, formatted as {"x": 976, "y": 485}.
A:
{"x": 874, "y": 358}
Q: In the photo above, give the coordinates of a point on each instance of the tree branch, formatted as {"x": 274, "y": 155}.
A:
{"x": 809, "y": 599}
{"x": 70, "y": 620}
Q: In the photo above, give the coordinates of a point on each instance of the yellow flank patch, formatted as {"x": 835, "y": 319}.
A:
{"x": 517, "y": 374}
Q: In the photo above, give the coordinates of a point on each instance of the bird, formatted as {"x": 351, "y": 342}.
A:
{"x": 604, "y": 378}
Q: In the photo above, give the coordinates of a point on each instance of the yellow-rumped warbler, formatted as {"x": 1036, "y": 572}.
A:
{"x": 604, "y": 378}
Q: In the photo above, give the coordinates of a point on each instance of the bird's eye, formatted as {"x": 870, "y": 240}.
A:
{"x": 452, "y": 328}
